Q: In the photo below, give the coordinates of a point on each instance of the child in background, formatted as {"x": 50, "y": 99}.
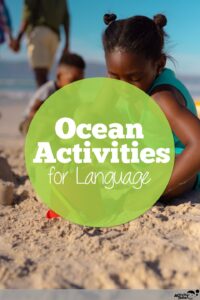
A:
{"x": 70, "y": 68}
{"x": 134, "y": 52}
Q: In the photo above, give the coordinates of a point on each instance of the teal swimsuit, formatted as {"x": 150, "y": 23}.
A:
{"x": 167, "y": 77}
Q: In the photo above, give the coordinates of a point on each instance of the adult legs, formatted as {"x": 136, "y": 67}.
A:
{"x": 41, "y": 75}
{"x": 42, "y": 46}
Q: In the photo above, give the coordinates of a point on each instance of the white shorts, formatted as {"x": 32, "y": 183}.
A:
{"x": 42, "y": 44}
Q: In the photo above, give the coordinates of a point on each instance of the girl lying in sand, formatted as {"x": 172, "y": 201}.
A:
{"x": 134, "y": 53}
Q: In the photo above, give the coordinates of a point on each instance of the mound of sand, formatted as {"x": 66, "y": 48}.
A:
{"x": 6, "y": 183}
{"x": 5, "y": 170}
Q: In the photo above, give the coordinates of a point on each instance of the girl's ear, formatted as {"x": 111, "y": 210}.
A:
{"x": 161, "y": 63}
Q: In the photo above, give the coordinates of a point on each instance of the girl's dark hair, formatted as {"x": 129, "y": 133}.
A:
{"x": 138, "y": 34}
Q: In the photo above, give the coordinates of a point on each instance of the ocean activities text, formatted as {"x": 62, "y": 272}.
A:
{"x": 66, "y": 129}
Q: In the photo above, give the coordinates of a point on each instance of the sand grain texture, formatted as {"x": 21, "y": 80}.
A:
{"x": 158, "y": 250}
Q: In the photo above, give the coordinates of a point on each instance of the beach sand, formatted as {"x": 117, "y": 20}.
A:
{"x": 158, "y": 250}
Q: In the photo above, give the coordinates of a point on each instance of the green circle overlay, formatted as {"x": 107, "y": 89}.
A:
{"x": 104, "y": 203}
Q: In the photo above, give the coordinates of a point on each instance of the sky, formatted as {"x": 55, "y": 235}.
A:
{"x": 87, "y": 26}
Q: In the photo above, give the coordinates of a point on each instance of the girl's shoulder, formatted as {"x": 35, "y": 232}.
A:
{"x": 168, "y": 84}
{"x": 167, "y": 79}
{"x": 163, "y": 91}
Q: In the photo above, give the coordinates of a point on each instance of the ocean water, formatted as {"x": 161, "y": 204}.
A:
{"x": 15, "y": 76}
{"x": 14, "y": 84}
{"x": 16, "y": 79}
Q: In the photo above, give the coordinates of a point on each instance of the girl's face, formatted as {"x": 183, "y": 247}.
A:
{"x": 133, "y": 68}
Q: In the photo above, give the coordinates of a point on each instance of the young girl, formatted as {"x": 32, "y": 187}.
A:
{"x": 134, "y": 53}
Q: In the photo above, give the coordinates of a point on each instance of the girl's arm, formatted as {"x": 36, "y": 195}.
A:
{"x": 186, "y": 126}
